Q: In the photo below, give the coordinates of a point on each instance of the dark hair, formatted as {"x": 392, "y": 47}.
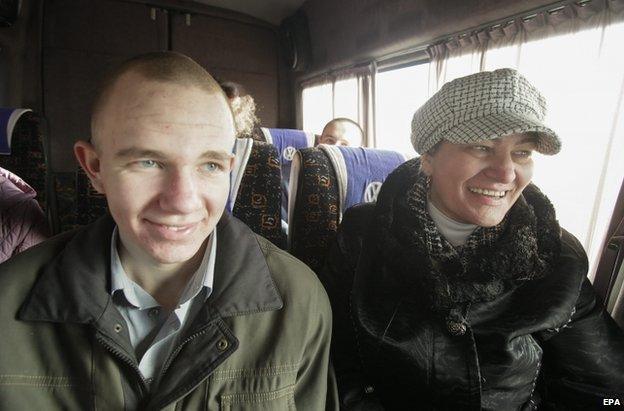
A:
{"x": 232, "y": 89}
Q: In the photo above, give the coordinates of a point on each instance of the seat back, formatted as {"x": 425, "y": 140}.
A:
{"x": 258, "y": 195}
{"x": 325, "y": 181}
{"x": 287, "y": 142}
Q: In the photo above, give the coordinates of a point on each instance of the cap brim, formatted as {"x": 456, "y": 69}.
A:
{"x": 503, "y": 124}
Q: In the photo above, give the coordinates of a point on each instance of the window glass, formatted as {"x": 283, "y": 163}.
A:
{"x": 317, "y": 107}
{"x": 398, "y": 93}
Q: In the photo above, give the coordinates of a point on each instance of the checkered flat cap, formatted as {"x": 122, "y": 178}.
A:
{"x": 483, "y": 106}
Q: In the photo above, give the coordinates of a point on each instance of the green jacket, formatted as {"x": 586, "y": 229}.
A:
{"x": 260, "y": 342}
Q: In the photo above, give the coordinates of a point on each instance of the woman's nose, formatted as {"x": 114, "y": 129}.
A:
{"x": 502, "y": 169}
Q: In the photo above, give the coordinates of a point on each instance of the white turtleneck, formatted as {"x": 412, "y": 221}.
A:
{"x": 455, "y": 232}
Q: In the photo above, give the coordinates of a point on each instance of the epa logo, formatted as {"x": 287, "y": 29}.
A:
{"x": 289, "y": 153}
{"x": 611, "y": 401}
{"x": 372, "y": 191}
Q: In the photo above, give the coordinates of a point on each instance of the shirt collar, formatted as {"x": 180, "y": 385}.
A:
{"x": 139, "y": 298}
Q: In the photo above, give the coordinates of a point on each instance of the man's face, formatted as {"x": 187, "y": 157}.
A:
{"x": 340, "y": 134}
{"x": 164, "y": 162}
{"x": 478, "y": 183}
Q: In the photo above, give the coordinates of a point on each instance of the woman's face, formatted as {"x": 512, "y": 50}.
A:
{"x": 478, "y": 183}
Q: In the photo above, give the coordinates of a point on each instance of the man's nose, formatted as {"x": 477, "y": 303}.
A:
{"x": 180, "y": 192}
{"x": 502, "y": 168}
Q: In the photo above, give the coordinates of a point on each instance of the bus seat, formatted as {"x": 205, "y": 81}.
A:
{"x": 22, "y": 148}
{"x": 258, "y": 194}
{"x": 75, "y": 202}
{"x": 287, "y": 141}
{"x": 325, "y": 181}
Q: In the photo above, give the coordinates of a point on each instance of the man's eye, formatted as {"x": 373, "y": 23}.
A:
{"x": 212, "y": 167}
{"x": 147, "y": 163}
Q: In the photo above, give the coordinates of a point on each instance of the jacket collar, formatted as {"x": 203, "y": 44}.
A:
{"x": 74, "y": 286}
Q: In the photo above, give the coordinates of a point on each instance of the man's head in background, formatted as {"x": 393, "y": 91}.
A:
{"x": 343, "y": 132}
{"x": 160, "y": 151}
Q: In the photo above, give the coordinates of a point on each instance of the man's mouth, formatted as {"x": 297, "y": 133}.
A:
{"x": 488, "y": 193}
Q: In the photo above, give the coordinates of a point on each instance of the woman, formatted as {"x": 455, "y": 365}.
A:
{"x": 458, "y": 289}
{"x": 243, "y": 108}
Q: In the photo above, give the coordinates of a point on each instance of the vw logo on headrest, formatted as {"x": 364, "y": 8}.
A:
{"x": 289, "y": 153}
{"x": 372, "y": 191}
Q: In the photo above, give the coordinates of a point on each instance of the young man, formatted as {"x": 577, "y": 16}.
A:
{"x": 170, "y": 303}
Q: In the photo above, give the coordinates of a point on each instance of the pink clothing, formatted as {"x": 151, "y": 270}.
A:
{"x": 22, "y": 223}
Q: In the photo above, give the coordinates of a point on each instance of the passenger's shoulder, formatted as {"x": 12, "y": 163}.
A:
{"x": 357, "y": 219}
{"x": 18, "y": 273}
{"x": 290, "y": 274}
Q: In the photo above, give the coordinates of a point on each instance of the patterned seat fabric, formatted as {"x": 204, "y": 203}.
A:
{"x": 259, "y": 196}
{"x": 315, "y": 216}
{"x": 331, "y": 179}
{"x": 77, "y": 203}
{"x": 28, "y": 159}
{"x": 287, "y": 141}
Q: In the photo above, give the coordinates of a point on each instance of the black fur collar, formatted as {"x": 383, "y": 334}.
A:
{"x": 523, "y": 247}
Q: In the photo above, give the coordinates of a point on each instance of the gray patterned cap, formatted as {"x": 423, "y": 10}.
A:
{"x": 483, "y": 106}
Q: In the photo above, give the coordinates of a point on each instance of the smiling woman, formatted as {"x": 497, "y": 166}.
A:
{"x": 460, "y": 275}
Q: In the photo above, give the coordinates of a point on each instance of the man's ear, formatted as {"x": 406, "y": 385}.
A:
{"x": 426, "y": 164}
{"x": 89, "y": 160}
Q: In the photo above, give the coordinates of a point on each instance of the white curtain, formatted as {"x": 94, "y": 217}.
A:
{"x": 574, "y": 55}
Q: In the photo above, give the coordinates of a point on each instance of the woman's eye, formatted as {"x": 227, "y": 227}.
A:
{"x": 524, "y": 153}
{"x": 480, "y": 148}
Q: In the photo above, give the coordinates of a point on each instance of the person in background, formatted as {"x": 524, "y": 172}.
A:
{"x": 168, "y": 302}
{"x": 244, "y": 110}
{"x": 22, "y": 223}
{"x": 458, "y": 289}
{"x": 341, "y": 132}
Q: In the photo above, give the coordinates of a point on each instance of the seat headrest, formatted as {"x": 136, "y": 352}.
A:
{"x": 360, "y": 172}
{"x": 8, "y": 119}
{"x": 288, "y": 141}
{"x": 242, "y": 151}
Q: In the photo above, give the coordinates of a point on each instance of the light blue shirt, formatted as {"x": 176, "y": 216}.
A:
{"x": 153, "y": 331}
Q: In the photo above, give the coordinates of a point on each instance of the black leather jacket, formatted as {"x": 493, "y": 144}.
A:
{"x": 545, "y": 344}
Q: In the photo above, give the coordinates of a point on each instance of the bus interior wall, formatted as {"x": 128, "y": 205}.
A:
{"x": 58, "y": 49}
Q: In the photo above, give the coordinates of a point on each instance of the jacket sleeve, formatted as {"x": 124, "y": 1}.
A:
{"x": 33, "y": 225}
{"x": 316, "y": 384}
{"x": 337, "y": 277}
{"x": 584, "y": 359}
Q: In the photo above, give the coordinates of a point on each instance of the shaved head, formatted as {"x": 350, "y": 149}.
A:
{"x": 342, "y": 131}
{"x": 162, "y": 66}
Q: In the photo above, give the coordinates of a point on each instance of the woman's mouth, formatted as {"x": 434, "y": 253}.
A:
{"x": 488, "y": 193}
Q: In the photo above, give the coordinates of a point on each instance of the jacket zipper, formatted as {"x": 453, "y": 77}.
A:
{"x": 172, "y": 357}
{"x": 177, "y": 350}
{"x": 127, "y": 360}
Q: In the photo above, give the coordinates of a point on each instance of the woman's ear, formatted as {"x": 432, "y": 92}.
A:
{"x": 426, "y": 164}
{"x": 89, "y": 160}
